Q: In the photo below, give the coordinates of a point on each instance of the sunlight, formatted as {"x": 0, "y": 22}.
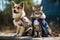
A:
{"x": 37, "y": 2}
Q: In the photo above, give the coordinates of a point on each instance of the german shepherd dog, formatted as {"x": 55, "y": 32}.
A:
{"x": 20, "y": 20}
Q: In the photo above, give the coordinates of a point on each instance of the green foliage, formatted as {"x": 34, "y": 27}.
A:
{"x": 27, "y": 4}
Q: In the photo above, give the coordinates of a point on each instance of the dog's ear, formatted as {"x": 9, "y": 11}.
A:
{"x": 13, "y": 3}
{"x": 22, "y": 4}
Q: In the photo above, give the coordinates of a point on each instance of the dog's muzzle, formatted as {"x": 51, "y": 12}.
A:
{"x": 15, "y": 11}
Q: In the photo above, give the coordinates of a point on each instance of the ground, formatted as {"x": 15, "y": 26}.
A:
{"x": 10, "y": 36}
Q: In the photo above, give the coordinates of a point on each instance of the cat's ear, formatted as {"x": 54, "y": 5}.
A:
{"x": 41, "y": 8}
{"x": 33, "y": 8}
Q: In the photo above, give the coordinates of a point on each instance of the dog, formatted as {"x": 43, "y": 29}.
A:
{"x": 20, "y": 19}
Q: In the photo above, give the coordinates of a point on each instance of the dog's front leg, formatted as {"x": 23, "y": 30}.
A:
{"x": 17, "y": 30}
{"x": 21, "y": 30}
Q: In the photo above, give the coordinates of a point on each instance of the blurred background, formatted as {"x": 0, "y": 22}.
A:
{"x": 50, "y": 7}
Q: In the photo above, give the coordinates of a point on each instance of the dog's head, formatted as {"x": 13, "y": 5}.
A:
{"x": 17, "y": 8}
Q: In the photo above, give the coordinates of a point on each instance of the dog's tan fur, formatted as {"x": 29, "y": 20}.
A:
{"x": 17, "y": 14}
{"x": 19, "y": 8}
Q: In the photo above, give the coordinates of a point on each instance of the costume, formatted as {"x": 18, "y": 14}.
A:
{"x": 42, "y": 22}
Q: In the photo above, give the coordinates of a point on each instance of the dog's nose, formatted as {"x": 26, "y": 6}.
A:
{"x": 14, "y": 10}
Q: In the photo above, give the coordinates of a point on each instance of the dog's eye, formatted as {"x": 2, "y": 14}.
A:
{"x": 14, "y": 7}
{"x": 18, "y": 7}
